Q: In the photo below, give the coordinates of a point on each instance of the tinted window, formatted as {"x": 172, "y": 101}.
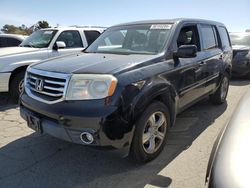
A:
{"x": 189, "y": 36}
{"x": 208, "y": 37}
{"x": 8, "y": 42}
{"x": 72, "y": 39}
{"x": 91, "y": 36}
{"x": 1, "y": 42}
{"x": 12, "y": 42}
{"x": 224, "y": 37}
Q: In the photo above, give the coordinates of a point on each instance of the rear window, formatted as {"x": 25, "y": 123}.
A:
{"x": 224, "y": 37}
{"x": 208, "y": 37}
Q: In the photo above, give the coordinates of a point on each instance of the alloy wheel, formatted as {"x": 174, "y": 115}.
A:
{"x": 154, "y": 132}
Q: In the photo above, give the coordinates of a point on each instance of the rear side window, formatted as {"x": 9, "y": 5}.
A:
{"x": 208, "y": 37}
{"x": 91, "y": 36}
{"x": 224, "y": 37}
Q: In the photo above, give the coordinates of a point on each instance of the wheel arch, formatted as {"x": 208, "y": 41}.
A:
{"x": 16, "y": 71}
{"x": 160, "y": 91}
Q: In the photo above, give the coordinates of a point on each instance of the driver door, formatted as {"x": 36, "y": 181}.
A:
{"x": 72, "y": 40}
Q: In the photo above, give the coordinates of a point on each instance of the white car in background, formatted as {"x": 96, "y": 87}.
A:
{"x": 9, "y": 40}
{"x": 41, "y": 45}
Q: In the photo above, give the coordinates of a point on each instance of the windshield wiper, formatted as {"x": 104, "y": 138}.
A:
{"x": 27, "y": 45}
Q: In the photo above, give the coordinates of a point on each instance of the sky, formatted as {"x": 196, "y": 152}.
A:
{"x": 234, "y": 14}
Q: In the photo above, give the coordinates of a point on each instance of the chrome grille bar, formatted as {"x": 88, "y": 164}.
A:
{"x": 48, "y": 87}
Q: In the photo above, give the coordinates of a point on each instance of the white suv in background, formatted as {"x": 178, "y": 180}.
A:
{"x": 41, "y": 45}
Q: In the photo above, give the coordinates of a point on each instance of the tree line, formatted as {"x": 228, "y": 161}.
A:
{"x": 23, "y": 29}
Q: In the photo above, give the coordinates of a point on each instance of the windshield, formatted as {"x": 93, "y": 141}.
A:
{"x": 240, "y": 39}
{"x": 39, "y": 39}
{"x": 136, "y": 39}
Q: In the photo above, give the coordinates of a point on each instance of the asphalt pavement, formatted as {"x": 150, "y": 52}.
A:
{"x": 28, "y": 159}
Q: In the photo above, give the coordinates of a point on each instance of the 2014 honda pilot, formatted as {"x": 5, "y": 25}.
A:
{"x": 125, "y": 90}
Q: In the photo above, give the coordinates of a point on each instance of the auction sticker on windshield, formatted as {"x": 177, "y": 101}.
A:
{"x": 161, "y": 26}
{"x": 48, "y": 32}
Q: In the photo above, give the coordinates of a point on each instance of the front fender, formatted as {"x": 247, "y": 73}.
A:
{"x": 135, "y": 100}
{"x": 10, "y": 67}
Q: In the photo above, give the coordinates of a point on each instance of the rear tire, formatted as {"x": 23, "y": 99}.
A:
{"x": 150, "y": 133}
{"x": 219, "y": 97}
{"x": 16, "y": 85}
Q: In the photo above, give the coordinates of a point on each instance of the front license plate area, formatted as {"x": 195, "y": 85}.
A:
{"x": 34, "y": 123}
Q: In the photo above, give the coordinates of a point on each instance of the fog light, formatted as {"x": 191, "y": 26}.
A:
{"x": 87, "y": 138}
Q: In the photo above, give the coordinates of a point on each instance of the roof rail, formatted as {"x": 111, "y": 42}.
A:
{"x": 87, "y": 26}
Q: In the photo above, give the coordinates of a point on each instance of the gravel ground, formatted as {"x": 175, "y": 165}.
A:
{"x": 31, "y": 160}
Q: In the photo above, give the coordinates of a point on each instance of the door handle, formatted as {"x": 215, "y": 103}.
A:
{"x": 202, "y": 63}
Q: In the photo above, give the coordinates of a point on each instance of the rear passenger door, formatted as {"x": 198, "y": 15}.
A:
{"x": 212, "y": 55}
{"x": 192, "y": 78}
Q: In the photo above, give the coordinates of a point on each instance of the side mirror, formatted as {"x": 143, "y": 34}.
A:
{"x": 186, "y": 51}
{"x": 59, "y": 45}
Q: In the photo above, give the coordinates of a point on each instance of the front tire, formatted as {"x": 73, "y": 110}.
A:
{"x": 220, "y": 95}
{"x": 150, "y": 133}
{"x": 16, "y": 85}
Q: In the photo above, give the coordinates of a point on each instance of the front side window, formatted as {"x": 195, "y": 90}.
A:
{"x": 240, "y": 39}
{"x": 72, "y": 39}
{"x": 135, "y": 39}
{"x": 208, "y": 37}
{"x": 39, "y": 39}
{"x": 189, "y": 36}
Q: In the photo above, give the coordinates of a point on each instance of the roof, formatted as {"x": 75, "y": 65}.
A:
{"x": 171, "y": 21}
{"x": 13, "y": 36}
{"x": 98, "y": 28}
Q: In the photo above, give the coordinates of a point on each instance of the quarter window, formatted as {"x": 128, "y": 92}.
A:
{"x": 208, "y": 37}
{"x": 224, "y": 37}
{"x": 72, "y": 39}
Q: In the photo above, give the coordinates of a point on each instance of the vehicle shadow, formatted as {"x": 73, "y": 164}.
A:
{"x": 235, "y": 81}
{"x": 43, "y": 161}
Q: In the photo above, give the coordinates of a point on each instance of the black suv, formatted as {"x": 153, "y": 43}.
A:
{"x": 125, "y": 90}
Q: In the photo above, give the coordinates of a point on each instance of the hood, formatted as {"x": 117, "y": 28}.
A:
{"x": 93, "y": 63}
{"x": 240, "y": 47}
{"x": 16, "y": 50}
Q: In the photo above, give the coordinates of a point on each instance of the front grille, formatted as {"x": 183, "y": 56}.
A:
{"x": 46, "y": 86}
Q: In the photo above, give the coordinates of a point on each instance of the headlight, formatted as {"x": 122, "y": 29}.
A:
{"x": 90, "y": 86}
